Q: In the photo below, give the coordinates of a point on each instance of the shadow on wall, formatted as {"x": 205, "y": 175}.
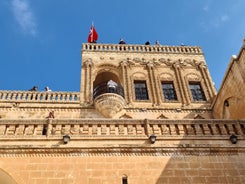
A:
{"x": 203, "y": 163}
{"x": 233, "y": 108}
{"x": 5, "y": 178}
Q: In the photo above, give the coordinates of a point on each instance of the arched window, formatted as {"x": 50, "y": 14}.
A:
{"x": 124, "y": 179}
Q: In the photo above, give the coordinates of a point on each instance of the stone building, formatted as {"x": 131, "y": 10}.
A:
{"x": 158, "y": 121}
{"x": 230, "y": 101}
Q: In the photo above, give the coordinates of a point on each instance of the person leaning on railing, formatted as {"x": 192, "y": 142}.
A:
{"x": 112, "y": 86}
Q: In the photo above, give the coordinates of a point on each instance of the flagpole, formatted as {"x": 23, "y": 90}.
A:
{"x": 92, "y": 36}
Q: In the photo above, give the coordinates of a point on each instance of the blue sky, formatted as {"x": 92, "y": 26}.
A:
{"x": 41, "y": 39}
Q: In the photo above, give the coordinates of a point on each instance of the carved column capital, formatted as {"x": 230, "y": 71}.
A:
{"x": 123, "y": 63}
{"x": 176, "y": 65}
{"x": 88, "y": 63}
{"x": 150, "y": 65}
{"x": 202, "y": 65}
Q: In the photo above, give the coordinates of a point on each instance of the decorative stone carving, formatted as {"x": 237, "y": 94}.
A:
{"x": 127, "y": 62}
{"x": 193, "y": 77}
{"x": 109, "y": 104}
{"x": 198, "y": 116}
{"x": 137, "y": 60}
{"x": 125, "y": 116}
{"x": 88, "y": 62}
{"x": 166, "y": 76}
{"x": 162, "y": 117}
{"x": 139, "y": 75}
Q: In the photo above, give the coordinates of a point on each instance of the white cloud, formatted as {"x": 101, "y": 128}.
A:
{"x": 219, "y": 21}
{"x": 224, "y": 18}
{"x": 24, "y": 16}
{"x": 214, "y": 22}
{"x": 206, "y": 8}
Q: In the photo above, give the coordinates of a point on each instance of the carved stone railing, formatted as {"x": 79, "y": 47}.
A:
{"x": 31, "y": 96}
{"x": 176, "y": 129}
{"x": 141, "y": 48}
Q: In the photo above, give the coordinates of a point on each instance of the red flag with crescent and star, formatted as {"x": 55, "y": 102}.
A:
{"x": 93, "y": 36}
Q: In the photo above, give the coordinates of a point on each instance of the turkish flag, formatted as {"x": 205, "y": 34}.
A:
{"x": 93, "y": 36}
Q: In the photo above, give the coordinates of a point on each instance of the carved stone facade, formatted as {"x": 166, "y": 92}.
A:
{"x": 153, "y": 65}
{"x": 162, "y": 91}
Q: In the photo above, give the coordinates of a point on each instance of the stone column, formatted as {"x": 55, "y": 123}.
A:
{"x": 181, "y": 85}
{"x": 207, "y": 79}
{"x": 126, "y": 86}
{"x": 84, "y": 83}
{"x": 88, "y": 90}
{"x": 157, "y": 87}
{"x": 150, "y": 67}
{"x": 90, "y": 85}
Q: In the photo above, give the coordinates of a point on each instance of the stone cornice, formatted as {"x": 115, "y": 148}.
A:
{"x": 171, "y": 110}
{"x": 125, "y": 151}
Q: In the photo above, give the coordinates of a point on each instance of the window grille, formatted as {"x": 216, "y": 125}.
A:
{"x": 169, "y": 91}
{"x": 196, "y": 91}
{"x": 140, "y": 90}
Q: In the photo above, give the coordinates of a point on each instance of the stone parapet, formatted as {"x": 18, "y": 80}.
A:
{"x": 31, "y": 96}
{"x": 120, "y": 137}
{"x": 122, "y": 129}
{"x": 141, "y": 48}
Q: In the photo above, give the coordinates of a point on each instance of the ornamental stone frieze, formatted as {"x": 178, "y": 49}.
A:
{"x": 132, "y": 151}
{"x": 182, "y": 62}
{"x": 105, "y": 128}
{"x": 127, "y": 62}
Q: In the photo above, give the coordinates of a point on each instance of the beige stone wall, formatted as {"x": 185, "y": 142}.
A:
{"x": 101, "y": 62}
{"x": 138, "y": 169}
{"x": 153, "y": 64}
{"x": 103, "y": 149}
{"x": 38, "y": 105}
{"x": 230, "y": 101}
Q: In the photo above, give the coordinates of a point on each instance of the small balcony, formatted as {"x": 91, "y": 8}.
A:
{"x": 108, "y": 101}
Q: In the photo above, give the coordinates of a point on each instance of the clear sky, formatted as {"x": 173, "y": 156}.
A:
{"x": 40, "y": 40}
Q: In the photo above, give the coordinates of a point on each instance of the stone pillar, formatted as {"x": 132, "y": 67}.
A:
{"x": 49, "y": 127}
{"x": 90, "y": 85}
{"x": 126, "y": 86}
{"x": 181, "y": 85}
{"x": 150, "y": 67}
{"x": 207, "y": 80}
{"x": 158, "y": 88}
{"x": 87, "y": 80}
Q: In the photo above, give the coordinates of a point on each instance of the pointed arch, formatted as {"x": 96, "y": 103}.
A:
{"x": 198, "y": 116}
{"x": 125, "y": 116}
{"x": 162, "y": 117}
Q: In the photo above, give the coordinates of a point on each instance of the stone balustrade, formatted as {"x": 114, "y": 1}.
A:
{"x": 32, "y": 96}
{"x": 141, "y": 48}
{"x": 197, "y": 129}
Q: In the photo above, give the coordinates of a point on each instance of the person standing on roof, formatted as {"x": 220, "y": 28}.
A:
{"x": 122, "y": 41}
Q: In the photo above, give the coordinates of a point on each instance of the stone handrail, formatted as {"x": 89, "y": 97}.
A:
{"x": 32, "y": 96}
{"x": 141, "y": 48}
{"x": 200, "y": 129}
